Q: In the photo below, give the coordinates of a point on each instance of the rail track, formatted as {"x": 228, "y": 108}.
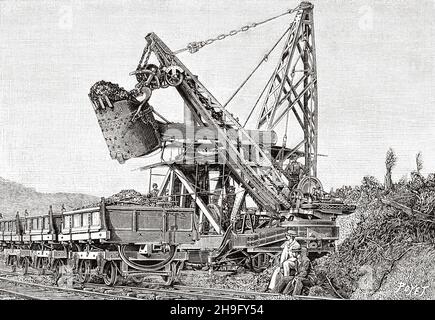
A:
{"x": 36, "y": 291}
{"x": 178, "y": 291}
{"x": 143, "y": 291}
{"x": 248, "y": 294}
{"x": 205, "y": 293}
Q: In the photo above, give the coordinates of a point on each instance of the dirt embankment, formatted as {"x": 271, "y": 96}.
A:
{"x": 411, "y": 278}
{"x": 387, "y": 249}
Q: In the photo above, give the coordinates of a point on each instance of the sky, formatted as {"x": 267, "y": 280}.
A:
{"x": 375, "y": 64}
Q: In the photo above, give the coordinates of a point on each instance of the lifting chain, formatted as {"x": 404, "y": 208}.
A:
{"x": 194, "y": 47}
{"x": 147, "y": 52}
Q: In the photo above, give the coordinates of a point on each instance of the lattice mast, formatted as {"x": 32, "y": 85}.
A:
{"x": 292, "y": 91}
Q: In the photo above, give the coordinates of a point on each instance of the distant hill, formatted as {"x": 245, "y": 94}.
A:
{"x": 16, "y": 197}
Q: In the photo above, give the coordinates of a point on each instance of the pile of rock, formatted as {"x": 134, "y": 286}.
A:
{"x": 129, "y": 196}
{"x": 125, "y": 197}
{"x": 113, "y": 91}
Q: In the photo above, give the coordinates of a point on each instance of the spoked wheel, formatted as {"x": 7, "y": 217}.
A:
{"x": 174, "y": 75}
{"x": 25, "y": 262}
{"x": 110, "y": 273}
{"x": 175, "y": 268}
{"x": 260, "y": 262}
{"x": 169, "y": 279}
{"x": 57, "y": 269}
{"x": 84, "y": 271}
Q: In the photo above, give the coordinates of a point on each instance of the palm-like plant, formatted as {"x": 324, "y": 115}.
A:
{"x": 419, "y": 162}
{"x": 390, "y": 162}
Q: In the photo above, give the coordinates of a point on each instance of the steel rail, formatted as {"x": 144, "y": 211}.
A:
{"x": 243, "y": 293}
{"x": 70, "y": 290}
{"x": 255, "y": 293}
{"x": 167, "y": 291}
{"x": 231, "y": 291}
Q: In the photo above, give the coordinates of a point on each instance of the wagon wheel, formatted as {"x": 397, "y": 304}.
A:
{"x": 84, "y": 271}
{"x": 260, "y": 262}
{"x": 179, "y": 266}
{"x": 57, "y": 269}
{"x": 168, "y": 280}
{"x": 110, "y": 273}
{"x": 174, "y": 271}
{"x": 25, "y": 262}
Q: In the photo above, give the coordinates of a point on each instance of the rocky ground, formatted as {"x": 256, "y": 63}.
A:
{"x": 243, "y": 280}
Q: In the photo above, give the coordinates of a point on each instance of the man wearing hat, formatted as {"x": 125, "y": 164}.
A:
{"x": 303, "y": 275}
{"x": 288, "y": 259}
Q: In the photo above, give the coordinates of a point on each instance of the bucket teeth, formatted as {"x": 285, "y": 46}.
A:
{"x": 109, "y": 103}
{"x": 101, "y": 103}
{"x": 94, "y": 105}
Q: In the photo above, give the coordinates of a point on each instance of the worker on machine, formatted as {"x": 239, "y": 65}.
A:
{"x": 294, "y": 171}
{"x": 155, "y": 191}
{"x": 317, "y": 193}
{"x": 288, "y": 261}
{"x": 228, "y": 204}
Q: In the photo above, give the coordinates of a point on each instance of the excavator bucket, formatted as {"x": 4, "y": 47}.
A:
{"x": 128, "y": 133}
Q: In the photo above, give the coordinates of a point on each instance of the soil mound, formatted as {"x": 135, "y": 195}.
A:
{"x": 385, "y": 241}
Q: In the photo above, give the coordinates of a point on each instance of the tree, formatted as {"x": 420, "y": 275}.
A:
{"x": 390, "y": 162}
{"x": 419, "y": 162}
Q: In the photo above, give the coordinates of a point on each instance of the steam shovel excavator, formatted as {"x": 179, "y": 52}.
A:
{"x": 247, "y": 187}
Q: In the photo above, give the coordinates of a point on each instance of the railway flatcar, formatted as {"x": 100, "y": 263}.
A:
{"x": 110, "y": 241}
